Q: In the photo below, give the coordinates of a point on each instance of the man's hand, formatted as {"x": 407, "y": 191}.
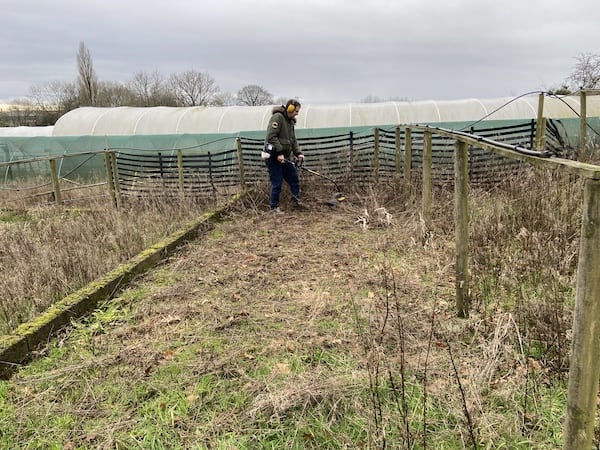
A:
{"x": 281, "y": 158}
{"x": 298, "y": 160}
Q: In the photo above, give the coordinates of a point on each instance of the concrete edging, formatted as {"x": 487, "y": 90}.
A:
{"x": 16, "y": 347}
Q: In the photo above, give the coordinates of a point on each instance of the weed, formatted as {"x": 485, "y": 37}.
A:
{"x": 315, "y": 332}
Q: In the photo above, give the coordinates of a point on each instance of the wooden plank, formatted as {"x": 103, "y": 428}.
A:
{"x": 585, "y": 170}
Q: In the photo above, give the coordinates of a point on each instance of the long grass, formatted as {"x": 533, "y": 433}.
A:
{"x": 510, "y": 383}
{"x": 49, "y": 251}
{"x": 329, "y": 329}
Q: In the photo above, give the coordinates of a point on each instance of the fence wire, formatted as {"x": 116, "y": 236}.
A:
{"x": 349, "y": 158}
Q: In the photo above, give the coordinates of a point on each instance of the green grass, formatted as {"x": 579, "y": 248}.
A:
{"x": 316, "y": 398}
{"x": 9, "y": 216}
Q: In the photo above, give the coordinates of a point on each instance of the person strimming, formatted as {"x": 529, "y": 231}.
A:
{"x": 282, "y": 136}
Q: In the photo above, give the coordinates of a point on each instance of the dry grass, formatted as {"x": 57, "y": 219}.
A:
{"x": 319, "y": 329}
{"x": 49, "y": 251}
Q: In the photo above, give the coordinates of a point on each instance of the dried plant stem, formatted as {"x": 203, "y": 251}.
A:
{"x": 463, "y": 396}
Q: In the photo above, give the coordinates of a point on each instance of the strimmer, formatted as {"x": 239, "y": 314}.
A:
{"x": 336, "y": 197}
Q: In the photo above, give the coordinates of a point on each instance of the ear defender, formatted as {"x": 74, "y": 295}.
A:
{"x": 291, "y": 108}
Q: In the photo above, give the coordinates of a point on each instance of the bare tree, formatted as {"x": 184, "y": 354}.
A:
{"x": 223, "y": 99}
{"x": 375, "y": 99}
{"x": 111, "y": 94}
{"x": 193, "y": 88}
{"x": 254, "y": 95}
{"x": 21, "y": 112}
{"x": 586, "y": 73}
{"x": 55, "y": 98}
{"x": 150, "y": 89}
{"x": 87, "y": 81}
{"x": 371, "y": 99}
{"x": 27, "y": 112}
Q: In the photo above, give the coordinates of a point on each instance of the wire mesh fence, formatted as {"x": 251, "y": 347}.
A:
{"x": 353, "y": 158}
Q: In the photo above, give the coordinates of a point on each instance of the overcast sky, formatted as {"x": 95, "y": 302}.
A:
{"x": 321, "y": 51}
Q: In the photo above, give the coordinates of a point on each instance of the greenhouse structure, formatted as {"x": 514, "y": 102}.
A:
{"x": 234, "y": 119}
{"x": 216, "y": 141}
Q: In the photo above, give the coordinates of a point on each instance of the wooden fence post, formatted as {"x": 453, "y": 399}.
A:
{"x": 540, "y": 129}
{"x": 540, "y": 140}
{"x": 240, "y": 156}
{"x": 115, "y": 169}
{"x": 461, "y": 223}
{"x": 351, "y": 157}
{"x": 376, "y": 156}
{"x": 397, "y": 156}
{"x": 55, "y": 181}
{"x": 584, "y": 367}
{"x": 582, "y": 121}
{"x": 180, "y": 174}
{"x": 210, "y": 175}
{"x": 161, "y": 169}
{"x": 109, "y": 176}
{"x": 427, "y": 182}
{"x": 408, "y": 158}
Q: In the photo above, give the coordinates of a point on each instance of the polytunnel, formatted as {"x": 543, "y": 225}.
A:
{"x": 124, "y": 120}
{"x": 220, "y": 135}
{"x": 24, "y": 131}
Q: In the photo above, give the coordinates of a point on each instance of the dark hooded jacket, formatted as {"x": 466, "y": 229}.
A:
{"x": 281, "y": 134}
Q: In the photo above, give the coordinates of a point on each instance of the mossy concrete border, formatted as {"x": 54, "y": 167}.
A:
{"x": 16, "y": 348}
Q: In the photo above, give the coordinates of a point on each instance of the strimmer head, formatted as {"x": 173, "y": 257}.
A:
{"x": 336, "y": 199}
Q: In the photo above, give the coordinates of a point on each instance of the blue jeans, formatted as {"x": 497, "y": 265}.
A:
{"x": 277, "y": 174}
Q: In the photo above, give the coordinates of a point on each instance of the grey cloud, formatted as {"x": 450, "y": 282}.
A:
{"x": 324, "y": 50}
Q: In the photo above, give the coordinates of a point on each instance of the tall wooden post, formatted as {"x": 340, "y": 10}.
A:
{"x": 540, "y": 129}
{"x": 408, "y": 158}
{"x": 397, "y": 156}
{"x": 240, "y": 156}
{"x": 582, "y": 121}
{"x": 55, "y": 181}
{"x": 351, "y": 162}
{"x": 180, "y": 174}
{"x": 109, "y": 177}
{"x": 376, "y": 156}
{"x": 427, "y": 181}
{"x": 115, "y": 169}
{"x": 540, "y": 142}
{"x": 584, "y": 368}
{"x": 461, "y": 223}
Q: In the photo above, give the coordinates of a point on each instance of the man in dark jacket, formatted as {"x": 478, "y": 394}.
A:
{"x": 281, "y": 143}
